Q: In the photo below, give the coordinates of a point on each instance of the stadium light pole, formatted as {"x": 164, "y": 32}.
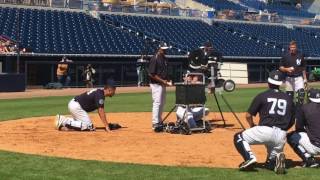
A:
{"x": 18, "y": 41}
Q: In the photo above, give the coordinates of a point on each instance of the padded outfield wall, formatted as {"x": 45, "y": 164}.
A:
{"x": 41, "y": 70}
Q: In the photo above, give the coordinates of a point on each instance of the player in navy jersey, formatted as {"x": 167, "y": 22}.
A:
{"x": 305, "y": 140}
{"x": 293, "y": 66}
{"x": 84, "y": 103}
{"x": 275, "y": 112}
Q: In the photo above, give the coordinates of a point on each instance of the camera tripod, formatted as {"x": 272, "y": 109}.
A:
{"x": 213, "y": 91}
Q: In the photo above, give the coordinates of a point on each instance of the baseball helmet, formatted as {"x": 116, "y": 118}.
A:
{"x": 276, "y": 77}
{"x": 314, "y": 95}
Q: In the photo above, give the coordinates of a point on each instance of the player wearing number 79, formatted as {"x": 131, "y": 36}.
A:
{"x": 275, "y": 111}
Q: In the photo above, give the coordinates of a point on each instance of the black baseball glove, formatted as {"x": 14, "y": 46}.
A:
{"x": 114, "y": 126}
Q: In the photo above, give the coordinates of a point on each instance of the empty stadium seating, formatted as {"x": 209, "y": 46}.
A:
{"x": 192, "y": 33}
{"x": 53, "y": 31}
{"x": 280, "y": 35}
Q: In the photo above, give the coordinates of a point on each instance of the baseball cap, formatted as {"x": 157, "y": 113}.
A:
{"x": 164, "y": 46}
{"x": 314, "y": 95}
{"x": 206, "y": 44}
{"x": 110, "y": 83}
{"x": 275, "y": 77}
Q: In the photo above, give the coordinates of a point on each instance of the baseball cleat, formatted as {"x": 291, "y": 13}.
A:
{"x": 248, "y": 165}
{"x": 311, "y": 163}
{"x": 280, "y": 167}
{"x": 58, "y": 122}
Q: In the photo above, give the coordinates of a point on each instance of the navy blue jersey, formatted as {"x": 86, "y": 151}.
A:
{"x": 274, "y": 107}
{"x": 91, "y": 100}
{"x": 308, "y": 119}
{"x": 158, "y": 66}
{"x": 294, "y": 60}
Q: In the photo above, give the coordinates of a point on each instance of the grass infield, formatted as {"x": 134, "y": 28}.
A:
{"x": 130, "y": 102}
{"x": 30, "y": 167}
{"x": 20, "y": 166}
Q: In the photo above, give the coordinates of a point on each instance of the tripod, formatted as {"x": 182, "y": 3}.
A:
{"x": 213, "y": 90}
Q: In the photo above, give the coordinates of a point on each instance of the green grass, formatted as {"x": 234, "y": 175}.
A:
{"x": 20, "y": 166}
{"x": 131, "y": 102}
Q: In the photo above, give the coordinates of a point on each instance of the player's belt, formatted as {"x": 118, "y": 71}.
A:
{"x": 295, "y": 75}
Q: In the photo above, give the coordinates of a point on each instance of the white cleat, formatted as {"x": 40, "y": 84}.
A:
{"x": 58, "y": 122}
{"x": 248, "y": 165}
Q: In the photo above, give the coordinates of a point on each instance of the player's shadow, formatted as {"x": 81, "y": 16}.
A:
{"x": 214, "y": 122}
{"x": 292, "y": 164}
{"x": 289, "y": 164}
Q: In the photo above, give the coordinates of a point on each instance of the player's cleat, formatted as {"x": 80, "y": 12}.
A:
{"x": 248, "y": 165}
{"x": 280, "y": 167}
{"x": 311, "y": 163}
{"x": 58, "y": 122}
{"x": 158, "y": 127}
{"x": 270, "y": 164}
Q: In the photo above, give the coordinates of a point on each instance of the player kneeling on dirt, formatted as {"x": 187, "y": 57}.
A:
{"x": 275, "y": 111}
{"x": 194, "y": 115}
{"x": 305, "y": 141}
{"x": 84, "y": 103}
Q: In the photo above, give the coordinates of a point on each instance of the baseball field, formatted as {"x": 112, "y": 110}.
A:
{"x": 30, "y": 147}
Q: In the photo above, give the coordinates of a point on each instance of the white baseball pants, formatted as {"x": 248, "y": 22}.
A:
{"x": 80, "y": 118}
{"x": 272, "y": 137}
{"x": 193, "y": 114}
{"x": 294, "y": 83}
{"x": 158, "y": 102}
{"x": 303, "y": 140}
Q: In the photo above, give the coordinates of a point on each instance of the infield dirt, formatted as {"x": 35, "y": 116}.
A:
{"x": 136, "y": 143}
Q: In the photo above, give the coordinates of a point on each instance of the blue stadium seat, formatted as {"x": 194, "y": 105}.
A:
{"x": 53, "y": 31}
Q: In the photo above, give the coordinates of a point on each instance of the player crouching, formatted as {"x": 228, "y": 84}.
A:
{"x": 84, "y": 103}
{"x": 275, "y": 111}
{"x": 305, "y": 141}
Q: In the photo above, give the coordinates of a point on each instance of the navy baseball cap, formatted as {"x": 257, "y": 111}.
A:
{"x": 206, "y": 44}
{"x": 111, "y": 83}
{"x": 164, "y": 46}
{"x": 275, "y": 77}
{"x": 314, "y": 95}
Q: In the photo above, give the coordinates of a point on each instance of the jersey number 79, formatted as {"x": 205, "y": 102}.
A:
{"x": 279, "y": 106}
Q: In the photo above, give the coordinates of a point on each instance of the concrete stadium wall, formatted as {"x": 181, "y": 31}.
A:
{"x": 238, "y": 72}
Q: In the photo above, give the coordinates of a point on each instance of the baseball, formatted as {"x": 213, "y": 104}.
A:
{"x": 292, "y": 68}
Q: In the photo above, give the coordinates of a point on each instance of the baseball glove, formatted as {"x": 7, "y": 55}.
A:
{"x": 114, "y": 126}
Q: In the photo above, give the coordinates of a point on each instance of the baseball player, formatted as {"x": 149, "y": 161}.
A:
{"x": 293, "y": 65}
{"x": 86, "y": 102}
{"x": 62, "y": 71}
{"x": 275, "y": 112}
{"x": 193, "y": 114}
{"x": 158, "y": 74}
{"x": 305, "y": 140}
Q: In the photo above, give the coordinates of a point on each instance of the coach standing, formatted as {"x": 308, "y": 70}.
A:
{"x": 158, "y": 73}
{"x": 294, "y": 66}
